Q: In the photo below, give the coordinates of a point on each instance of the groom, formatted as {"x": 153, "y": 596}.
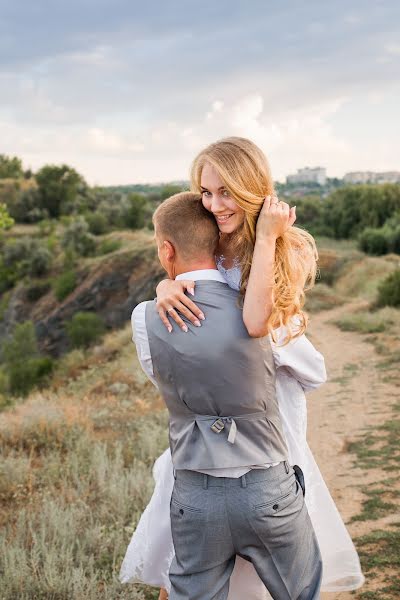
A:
{"x": 234, "y": 490}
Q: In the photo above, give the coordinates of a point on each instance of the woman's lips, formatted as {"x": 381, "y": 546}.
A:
{"x": 223, "y": 218}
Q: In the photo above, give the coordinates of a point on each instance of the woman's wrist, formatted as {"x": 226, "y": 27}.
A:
{"x": 268, "y": 240}
{"x": 161, "y": 284}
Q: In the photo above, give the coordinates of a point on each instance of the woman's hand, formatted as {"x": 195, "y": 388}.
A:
{"x": 274, "y": 219}
{"x": 171, "y": 297}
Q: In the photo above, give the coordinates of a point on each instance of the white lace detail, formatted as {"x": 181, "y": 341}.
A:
{"x": 232, "y": 275}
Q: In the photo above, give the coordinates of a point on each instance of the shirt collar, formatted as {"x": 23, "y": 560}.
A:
{"x": 210, "y": 274}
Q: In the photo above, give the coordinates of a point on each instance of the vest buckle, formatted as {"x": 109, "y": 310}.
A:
{"x": 218, "y": 426}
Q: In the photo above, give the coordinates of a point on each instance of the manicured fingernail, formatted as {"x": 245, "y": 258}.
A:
{"x": 170, "y": 329}
{"x": 202, "y": 317}
{"x": 197, "y": 323}
{"x": 294, "y": 207}
{"x": 191, "y": 291}
{"x": 185, "y": 329}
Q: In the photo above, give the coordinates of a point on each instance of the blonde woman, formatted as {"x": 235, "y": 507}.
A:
{"x": 272, "y": 263}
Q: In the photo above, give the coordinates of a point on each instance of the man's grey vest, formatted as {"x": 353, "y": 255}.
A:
{"x": 218, "y": 384}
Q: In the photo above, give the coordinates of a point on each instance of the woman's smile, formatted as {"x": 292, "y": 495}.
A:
{"x": 218, "y": 200}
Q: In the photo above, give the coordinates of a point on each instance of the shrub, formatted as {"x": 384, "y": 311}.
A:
{"x": 97, "y": 223}
{"x": 389, "y": 290}
{"x": 37, "y": 290}
{"x": 23, "y": 376}
{"x": 27, "y": 256}
{"x": 77, "y": 238}
{"x": 107, "y": 246}
{"x": 23, "y": 364}
{"x": 65, "y": 284}
{"x": 135, "y": 213}
{"x": 374, "y": 241}
{"x": 84, "y": 328}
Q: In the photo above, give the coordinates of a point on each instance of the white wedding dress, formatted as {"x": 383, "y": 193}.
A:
{"x": 150, "y": 552}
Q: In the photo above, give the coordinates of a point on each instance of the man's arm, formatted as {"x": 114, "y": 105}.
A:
{"x": 140, "y": 337}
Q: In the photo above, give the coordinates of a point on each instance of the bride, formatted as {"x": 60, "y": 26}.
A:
{"x": 272, "y": 264}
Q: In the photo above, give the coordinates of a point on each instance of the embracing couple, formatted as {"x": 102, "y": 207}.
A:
{"x": 228, "y": 517}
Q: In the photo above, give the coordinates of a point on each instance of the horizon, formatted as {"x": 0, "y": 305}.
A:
{"x": 127, "y": 93}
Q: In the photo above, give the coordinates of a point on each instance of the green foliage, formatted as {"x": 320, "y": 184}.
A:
{"x": 21, "y": 257}
{"x": 65, "y": 284}
{"x": 58, "y": 188}
{"x": 135, "y": 213}
{"x": 5, "y": 220}
{"x": 84, "y": 328}
{"x": 37, "y": 290}
{"x": 77, "y": 238}
{"x": 349, "y": 210}
{"x": 10, "y": 167}
{"x": 108, "y": 246}
{"x": 25, "y": 207}
{"x": 23, "y": 364}
{"x": 389, "y": 290}
{"x": 97, "y": 223}
{"x": 374, "y": 241}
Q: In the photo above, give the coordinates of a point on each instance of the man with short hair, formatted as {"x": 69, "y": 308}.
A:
{"x": 234, "y": 491}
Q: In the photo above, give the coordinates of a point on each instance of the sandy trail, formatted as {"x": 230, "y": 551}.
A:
{"x": 354, "y": 398}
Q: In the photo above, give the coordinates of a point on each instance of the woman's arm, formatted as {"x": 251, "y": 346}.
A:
{"x": 274, "y": 219}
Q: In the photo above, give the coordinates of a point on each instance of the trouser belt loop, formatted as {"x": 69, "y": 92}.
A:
{"x": 205, "y": 481}
{"x": 287, "y": 469}
{"x": 243, "y": 481}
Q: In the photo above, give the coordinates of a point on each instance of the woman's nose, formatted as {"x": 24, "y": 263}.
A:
{"x": 217, "y": 204}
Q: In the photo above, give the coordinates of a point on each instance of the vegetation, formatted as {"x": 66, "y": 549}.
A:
{"x": 22, "y": 363}
{"x": 65, "y": 284}
{"x": 389, "y": 290}
{"x": 84, "y": 329}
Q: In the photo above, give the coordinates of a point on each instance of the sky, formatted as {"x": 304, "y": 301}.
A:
{"x": 129, "y": 92}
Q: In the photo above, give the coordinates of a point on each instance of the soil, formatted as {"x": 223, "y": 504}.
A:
{"x": 355, "y": 397}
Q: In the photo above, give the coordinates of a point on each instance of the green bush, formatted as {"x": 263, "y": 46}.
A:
{"x": 97, "y": 222}
{"x": 26, "y": 256}
{"x": 37, "y": 290}
{"x": 77, "y": 238}
{"x": 107, "y": 246}
{"x": 23, "y": 364}
{"x": 374, "y": 241}
{"x": 136, "y": 210}
{"x": 389, "y": 290}
{"x": 84, "y": 328}
{"x": 22, "y": 377}
{"x": 65, "y": 284}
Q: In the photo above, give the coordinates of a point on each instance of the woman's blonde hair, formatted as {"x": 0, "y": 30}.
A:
{"x": 245, "y": 172}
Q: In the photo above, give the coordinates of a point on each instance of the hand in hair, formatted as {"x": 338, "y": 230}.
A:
{"x": 275, "y": 218}
{"x": 171, "y": 298}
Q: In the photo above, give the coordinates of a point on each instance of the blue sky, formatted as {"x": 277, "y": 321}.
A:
{"x": 129, "y": 91}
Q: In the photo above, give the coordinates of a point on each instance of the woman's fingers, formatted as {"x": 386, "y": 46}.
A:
{"x": 164, "y": 319}
{"x": 175, "y": 316}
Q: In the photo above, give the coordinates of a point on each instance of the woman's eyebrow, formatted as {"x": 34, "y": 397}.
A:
{"x": 220, "y": 188}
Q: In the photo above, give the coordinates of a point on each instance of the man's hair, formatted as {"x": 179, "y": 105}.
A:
{"x": 183, "y": 220}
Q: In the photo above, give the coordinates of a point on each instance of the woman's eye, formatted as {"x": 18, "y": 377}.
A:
{"x": 225, "y": 193}
{"x": 207, "y": 194}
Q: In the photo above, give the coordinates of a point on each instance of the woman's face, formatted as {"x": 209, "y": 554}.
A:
{"x": 217, "y": 200}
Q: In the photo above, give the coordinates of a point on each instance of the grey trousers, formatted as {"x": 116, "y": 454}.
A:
{"x": 260, "y": 516}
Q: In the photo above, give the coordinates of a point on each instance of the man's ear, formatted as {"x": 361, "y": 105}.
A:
{"x": 169, "y": 251}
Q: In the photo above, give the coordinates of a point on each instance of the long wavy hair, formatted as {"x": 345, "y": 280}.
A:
{"x": 245, "y": 172}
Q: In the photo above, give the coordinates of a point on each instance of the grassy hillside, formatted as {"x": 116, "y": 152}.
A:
{"x": 77, "y": 455}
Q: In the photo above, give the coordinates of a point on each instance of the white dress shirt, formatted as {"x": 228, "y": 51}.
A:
{"x": 297, "y": 357}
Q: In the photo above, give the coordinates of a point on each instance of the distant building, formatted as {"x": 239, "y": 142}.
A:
{"x": 372, "y": 177}
{"x": 308, "y": 175}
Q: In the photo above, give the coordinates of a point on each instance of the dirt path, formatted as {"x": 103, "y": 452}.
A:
{"x": 354, "y": 398}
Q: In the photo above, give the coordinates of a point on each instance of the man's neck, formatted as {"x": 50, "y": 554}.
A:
{"x": 195, "y": 266}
